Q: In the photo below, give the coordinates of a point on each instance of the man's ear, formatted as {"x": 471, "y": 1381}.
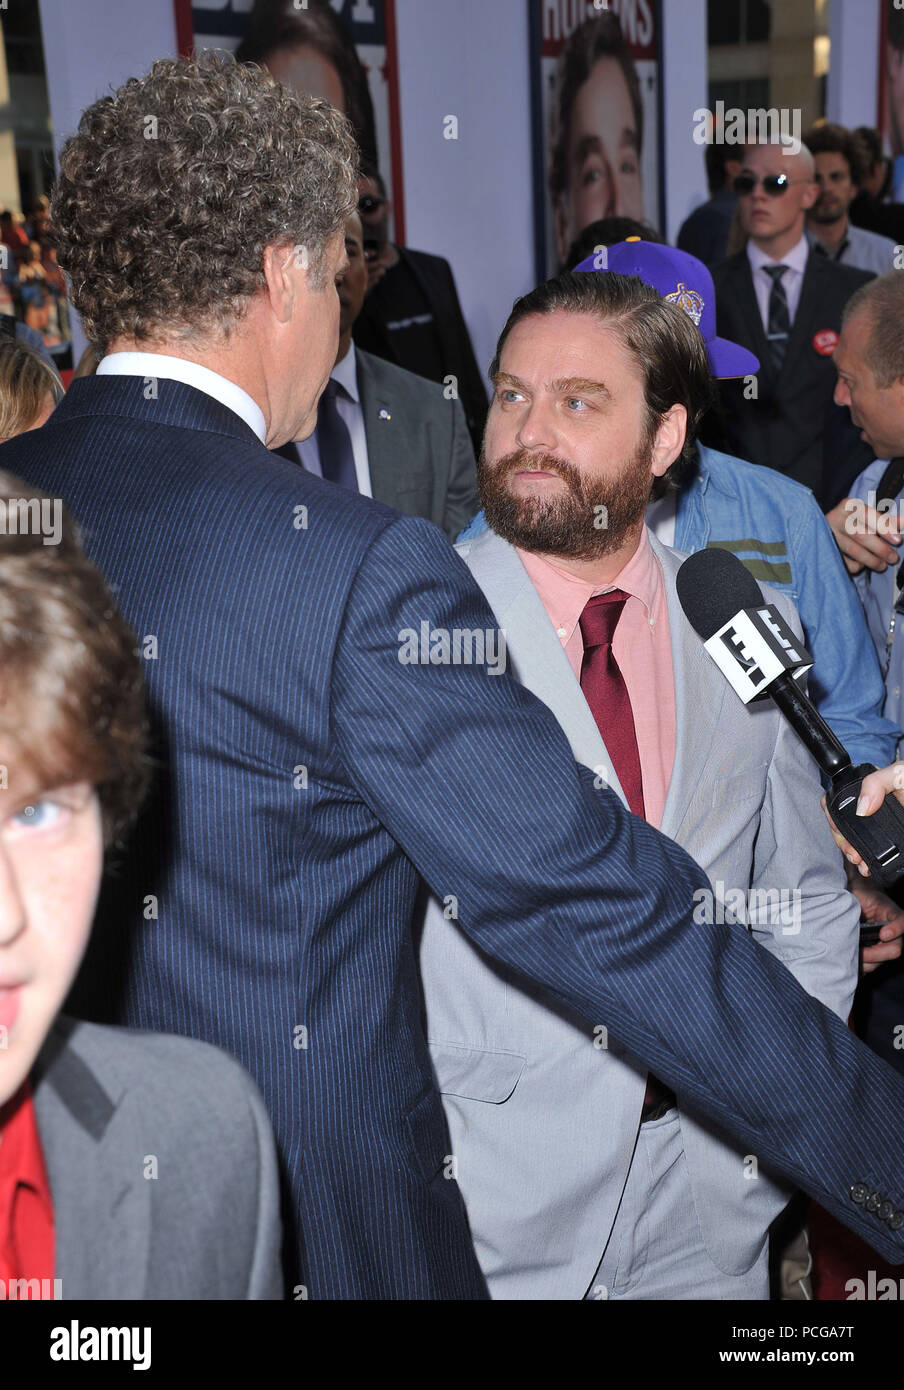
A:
{"x": 669, "y": 439}
{"x": 279, "y": 266}
{"x": 811, "y": 194}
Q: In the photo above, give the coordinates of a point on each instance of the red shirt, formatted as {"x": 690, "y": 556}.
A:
{"x": 26, "y": 1205}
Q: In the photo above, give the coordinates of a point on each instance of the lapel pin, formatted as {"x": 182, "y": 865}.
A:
{"x": 384, "y": 414}
{"x": 825, "y": 341}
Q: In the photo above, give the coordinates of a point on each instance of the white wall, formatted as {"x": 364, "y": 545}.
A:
{"x": 685, "y": 89}
{"x": 91, "y": 46}
{"x": 469, "y": 199}
{"x": 851, "y": 90}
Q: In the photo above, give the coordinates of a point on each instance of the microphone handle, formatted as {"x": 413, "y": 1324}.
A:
{"x": 879, "y": 839}
{"x": 809, "y": 725}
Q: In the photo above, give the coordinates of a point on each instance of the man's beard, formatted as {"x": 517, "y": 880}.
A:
{"x": 591, "y": 519}
{"x": 824, "y": 214}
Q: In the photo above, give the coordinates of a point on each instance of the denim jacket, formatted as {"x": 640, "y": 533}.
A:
{"x": 776, "y": 527}
{"x": 877, "y": 594}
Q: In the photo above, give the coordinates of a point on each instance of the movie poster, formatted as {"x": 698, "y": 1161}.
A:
{"x": 890, "y": 120}
{"x": 596, "y": 119}
{"x": 370, "y": 27}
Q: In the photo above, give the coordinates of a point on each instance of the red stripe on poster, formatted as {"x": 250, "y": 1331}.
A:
{"x": 185, "y": 30}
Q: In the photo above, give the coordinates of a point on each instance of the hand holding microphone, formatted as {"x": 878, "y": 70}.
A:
{"x": 874, "y": 789}
{"x": 884, "y": 942}
{"x": 760, "y": 656}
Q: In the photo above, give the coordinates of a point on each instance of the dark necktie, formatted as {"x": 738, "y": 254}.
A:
{"x": 337, "y": 459}
{"x": 607, "y": 695}
{"x": 779, "y": 316}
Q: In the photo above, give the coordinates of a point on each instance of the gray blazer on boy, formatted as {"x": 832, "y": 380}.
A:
{"x": 162, "y": 1168}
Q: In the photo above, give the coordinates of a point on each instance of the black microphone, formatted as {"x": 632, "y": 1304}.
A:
{"x": 760, "y": 656}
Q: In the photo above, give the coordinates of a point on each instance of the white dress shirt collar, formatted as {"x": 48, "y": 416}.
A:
{"x": 158, "y": 364}
{"x": 792, "y": 280}
{"x": 795, "y": 259}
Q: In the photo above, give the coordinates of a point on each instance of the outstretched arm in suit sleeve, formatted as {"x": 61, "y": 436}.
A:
{"x": 800, "y": 909}
{"x": 583, "y": 898}
{"x": 462, "y": 502}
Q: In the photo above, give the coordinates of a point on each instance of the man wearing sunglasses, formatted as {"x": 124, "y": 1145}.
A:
{"x": 784, "y": 301}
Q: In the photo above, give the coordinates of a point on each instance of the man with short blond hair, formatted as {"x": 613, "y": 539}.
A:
{"x": 783, "y": 301}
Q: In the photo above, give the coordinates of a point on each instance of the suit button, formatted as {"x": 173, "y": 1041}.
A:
{"x": 859, "y": 1192}
{"x": 896, "y": 1220}
{"x": 872, "y": 1201}
{"x": 885, "y": 1211}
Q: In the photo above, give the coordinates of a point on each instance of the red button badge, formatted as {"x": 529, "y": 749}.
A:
{"x": 825, "y": 341}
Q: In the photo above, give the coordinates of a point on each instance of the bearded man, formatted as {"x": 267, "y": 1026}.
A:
{"x": 583, "y": 1175}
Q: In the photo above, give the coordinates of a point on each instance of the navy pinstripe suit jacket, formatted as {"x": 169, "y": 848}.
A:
{"x": 308, "y": 776}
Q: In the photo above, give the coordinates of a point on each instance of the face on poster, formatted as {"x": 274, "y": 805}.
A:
{"x": 599, "y": 94}
{"x": 221, "y": 24}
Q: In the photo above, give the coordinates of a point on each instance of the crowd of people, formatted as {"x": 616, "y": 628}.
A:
{"x": 32, "y": 285}
{"x": 464, "y": 936}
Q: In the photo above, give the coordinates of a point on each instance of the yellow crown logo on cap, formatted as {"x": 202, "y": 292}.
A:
{"x": 688, "y": 300}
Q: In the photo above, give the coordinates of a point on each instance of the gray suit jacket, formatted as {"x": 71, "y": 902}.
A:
{"x": 543, "y": 1118}
{"x": 419, "y": 452}
{"x": 418, "y": 447}
{"x": 162, "y": 1168}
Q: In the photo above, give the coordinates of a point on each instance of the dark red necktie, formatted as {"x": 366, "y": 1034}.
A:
{"x": 607, "y": 695}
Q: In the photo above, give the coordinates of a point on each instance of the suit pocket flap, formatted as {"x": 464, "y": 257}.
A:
{"x": 742, "y": 786}
{"x": 475, "y": 1073}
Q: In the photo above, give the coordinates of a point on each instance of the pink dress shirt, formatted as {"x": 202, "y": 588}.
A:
{"x": 641, "y": 647}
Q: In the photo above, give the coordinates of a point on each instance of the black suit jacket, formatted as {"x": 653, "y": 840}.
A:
{"x": 705, "y": 233}
{"x": 418, "y": 448}
{"x": 433, "y": 277}
{"x": 792, "y": 424}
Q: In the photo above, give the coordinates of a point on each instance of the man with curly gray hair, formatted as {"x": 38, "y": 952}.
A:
{"x": 199, "y": 214}
{"x": 332, "y": 720}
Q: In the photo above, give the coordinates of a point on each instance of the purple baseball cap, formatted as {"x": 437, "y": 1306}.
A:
{"x": 686, "y": 282}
